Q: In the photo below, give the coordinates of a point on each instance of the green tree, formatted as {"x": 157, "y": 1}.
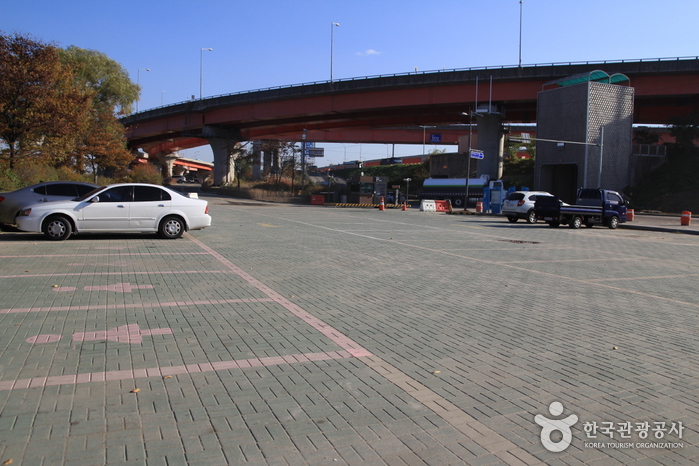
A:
{"x": 685, "y": 130}
{"x": 100, "y": 144}
{"x": 110, "y": 82}
{"x": 38, "y": 99}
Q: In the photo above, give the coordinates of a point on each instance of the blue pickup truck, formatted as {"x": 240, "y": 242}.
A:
{"x": 592, "y": 207}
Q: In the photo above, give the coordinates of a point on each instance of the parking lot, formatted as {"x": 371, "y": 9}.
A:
{"x": 317, "y": 335}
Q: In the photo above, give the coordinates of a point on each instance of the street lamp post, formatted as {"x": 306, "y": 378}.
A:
{"x": 520, "y": 33}
{"x": 201, "y": 70}
{"x": 138, "y": 83}
{"x": 423, "y": 136}
{"x": 332, "y": 39}
{"x": 470, "y": 148}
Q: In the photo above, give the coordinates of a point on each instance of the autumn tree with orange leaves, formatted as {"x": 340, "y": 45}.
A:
{"x": 59, "y": 107}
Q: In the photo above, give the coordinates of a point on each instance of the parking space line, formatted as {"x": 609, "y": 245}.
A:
{"x": 510, "y": 265}
{"x": 44, "y": 256}
{"x": 460, "y": 420}
{"x": 336, "y": 337}
{"x": 72, "y": 274}
{"x": 202, "y": 302}
{"x": 131, "y": 374}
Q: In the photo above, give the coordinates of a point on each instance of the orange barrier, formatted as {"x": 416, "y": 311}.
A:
{"x": 317, "y": 200}
{"x": 442, "y": 206}
{"x": 686, "y": 218}
{"x": 629, "y": 215}
{"x": 479, "y": 207}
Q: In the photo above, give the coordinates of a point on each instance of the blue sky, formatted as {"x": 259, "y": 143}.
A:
{"x": 266, "y": 43}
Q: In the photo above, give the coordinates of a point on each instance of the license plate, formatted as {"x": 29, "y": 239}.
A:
{"x": 548, "y": 218}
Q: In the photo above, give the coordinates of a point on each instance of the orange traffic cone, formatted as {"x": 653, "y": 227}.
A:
{"x": 381, "y": 205}
{"x": 405, "y": 206}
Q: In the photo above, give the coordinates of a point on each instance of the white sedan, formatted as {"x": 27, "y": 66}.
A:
{"x": 122, "y": 208}
{"x": 11, "y": 203}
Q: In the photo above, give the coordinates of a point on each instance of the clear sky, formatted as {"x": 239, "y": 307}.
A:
{"x": 266, "y": 43}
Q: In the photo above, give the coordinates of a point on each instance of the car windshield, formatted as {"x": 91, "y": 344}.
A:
{"x": 90, "y": 194}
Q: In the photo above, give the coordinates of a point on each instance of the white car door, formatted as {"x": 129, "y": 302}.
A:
{"x": 150, "y": 204}
{"x": 108, "y": 211}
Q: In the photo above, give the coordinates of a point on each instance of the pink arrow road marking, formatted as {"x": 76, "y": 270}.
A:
{"x": 124, "y": 334}
{"x": 117, "y": 288}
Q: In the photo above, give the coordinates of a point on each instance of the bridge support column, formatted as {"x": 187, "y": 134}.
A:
{"x": 225, "y": 145}
{"x": 491, "y": 141}
{"x": 266, "y": 159}
{"x": 167, "y": 159}
{"x": 257, "y": 160}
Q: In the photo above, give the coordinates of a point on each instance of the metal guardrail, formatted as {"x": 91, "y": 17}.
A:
{"x": 430, "y": 72}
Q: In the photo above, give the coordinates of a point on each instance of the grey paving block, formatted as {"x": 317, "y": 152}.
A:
{"x": 320, "y": 341}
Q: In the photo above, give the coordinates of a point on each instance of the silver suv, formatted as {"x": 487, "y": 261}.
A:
{"x": 520, "y": 204}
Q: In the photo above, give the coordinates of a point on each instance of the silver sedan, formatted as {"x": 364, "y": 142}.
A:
{"x": 11, "y": 203}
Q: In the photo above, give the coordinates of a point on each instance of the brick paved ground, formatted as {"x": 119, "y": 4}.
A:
{"x": 314, "y": 335}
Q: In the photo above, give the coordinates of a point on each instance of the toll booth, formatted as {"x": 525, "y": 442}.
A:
{"x": 366, "y": 189}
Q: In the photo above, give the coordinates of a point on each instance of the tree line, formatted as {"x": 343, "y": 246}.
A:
{"x": 59, "y": 108}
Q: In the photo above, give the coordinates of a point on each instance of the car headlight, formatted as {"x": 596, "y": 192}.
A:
{"x": 24, "y": 212}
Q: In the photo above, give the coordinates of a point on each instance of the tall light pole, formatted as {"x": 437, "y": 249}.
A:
{"x": 332, "y": 39}
{"x": 470, "y": 149}
{"x": 138, "y": 83}
{"x": 423, "y": 136}
{"x": 201, "y": 70}
{"x": 520, "y": 33}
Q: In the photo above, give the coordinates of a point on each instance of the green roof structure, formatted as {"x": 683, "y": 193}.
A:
{"x": 591, "y": 76}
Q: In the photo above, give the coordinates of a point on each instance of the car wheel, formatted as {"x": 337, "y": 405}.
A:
{"x": 531, "y": 216}
{"x": 575, "y": 223}
{"x": 613, "y": 222}
{"x": 57, "y": 228}
{"x": 511, "y": 219}
{"x": 171, "y": 227}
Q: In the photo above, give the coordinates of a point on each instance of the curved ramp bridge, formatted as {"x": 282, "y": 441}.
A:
{"x": 396, "y": 108}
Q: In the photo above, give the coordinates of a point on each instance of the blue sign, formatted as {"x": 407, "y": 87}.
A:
{"x": 475, "y": 154}
{"x": 435, "y": 138}
{"x": 309, "y": 145}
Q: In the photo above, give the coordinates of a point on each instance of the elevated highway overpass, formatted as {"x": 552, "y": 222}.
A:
{"x": 392, "y": 109}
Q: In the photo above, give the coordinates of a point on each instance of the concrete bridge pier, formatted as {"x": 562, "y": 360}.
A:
{"x": 266, "y": 159}
{"x": 225, "y": 144}
{"x": 257, "y": 162}
{"x": 491, "y": 141}
{"x": 167, "y": 160}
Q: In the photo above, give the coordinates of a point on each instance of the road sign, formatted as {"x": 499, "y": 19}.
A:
{"x": 476, "y": 154}
{"x": 319, "y": 152}
{"x": 435, "y": 138}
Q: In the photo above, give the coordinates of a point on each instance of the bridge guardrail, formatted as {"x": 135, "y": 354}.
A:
{"x": 436, "y": 73}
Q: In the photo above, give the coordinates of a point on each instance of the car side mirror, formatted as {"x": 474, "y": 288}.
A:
{"x": 95, "y": 199}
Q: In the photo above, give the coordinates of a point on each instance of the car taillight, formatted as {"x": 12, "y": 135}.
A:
{"x": 2, "y": 198}
{"x": 520, "y": 203}
{"x": 206, "y": 211}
